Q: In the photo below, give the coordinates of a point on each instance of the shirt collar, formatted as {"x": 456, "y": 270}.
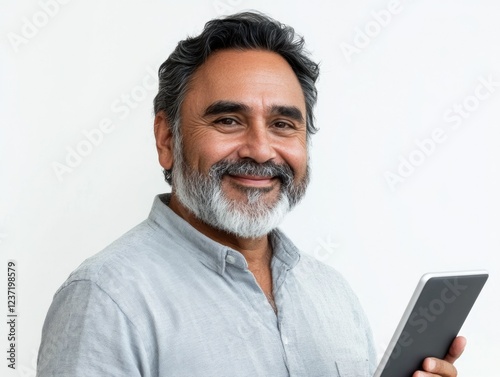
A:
{"x": 211, "y": 253}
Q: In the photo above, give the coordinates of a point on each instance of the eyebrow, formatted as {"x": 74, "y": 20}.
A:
{"x": 292, "y": 112}
{"x": 222, "y": 107}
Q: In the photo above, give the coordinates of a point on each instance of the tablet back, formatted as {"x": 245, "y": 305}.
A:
{"x": 432, "y": 320}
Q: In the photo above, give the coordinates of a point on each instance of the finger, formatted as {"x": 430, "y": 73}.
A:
{"x": 456, "y": 349}
{"x": 425, "y": 374}
{"x": 438, "y": 367}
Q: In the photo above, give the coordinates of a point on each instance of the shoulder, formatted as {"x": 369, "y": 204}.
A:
{"x": 122, "y": 252}
{"x": 129, "y": 263}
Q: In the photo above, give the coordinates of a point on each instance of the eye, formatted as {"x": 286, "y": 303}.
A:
{"x": 226, "y": 121}
{"x": 283, "y": 125}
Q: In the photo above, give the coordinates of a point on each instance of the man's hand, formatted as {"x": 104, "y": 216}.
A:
{"x": 443, "y": 368}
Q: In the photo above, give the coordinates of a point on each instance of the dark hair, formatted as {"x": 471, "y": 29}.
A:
{"x": 246, "y": 30}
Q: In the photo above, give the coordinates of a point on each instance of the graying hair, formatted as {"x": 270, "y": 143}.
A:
{"x": 243, "y": 31}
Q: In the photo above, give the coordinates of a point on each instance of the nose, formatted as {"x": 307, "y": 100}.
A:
{"x": 257, "y": 143}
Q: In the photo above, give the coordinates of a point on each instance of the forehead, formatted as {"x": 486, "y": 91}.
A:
{"x": 258, "y": 78}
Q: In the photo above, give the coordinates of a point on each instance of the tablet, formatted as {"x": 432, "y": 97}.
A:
{"x": 433, "y": 318}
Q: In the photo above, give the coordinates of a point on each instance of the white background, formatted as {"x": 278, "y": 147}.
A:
{"x": 70, "y": 72}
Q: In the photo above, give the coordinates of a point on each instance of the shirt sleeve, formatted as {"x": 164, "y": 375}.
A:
{"x": 87, "y": 334}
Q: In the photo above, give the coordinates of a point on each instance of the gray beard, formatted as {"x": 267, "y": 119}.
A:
{"x": 203, "y": 195}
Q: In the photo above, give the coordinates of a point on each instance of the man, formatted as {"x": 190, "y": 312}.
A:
{"x": 207, "y": 285}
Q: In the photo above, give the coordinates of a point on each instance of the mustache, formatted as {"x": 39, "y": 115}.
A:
{"x": 249, "y": 167}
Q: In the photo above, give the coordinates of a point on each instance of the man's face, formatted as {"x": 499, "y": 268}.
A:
{"x": 243, "y": 135}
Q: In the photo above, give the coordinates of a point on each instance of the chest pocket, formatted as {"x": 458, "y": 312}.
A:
{"x": 352, "y": 369}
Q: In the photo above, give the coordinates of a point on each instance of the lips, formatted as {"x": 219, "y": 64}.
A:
{"x": 252, "y": 180}
{"x": 249, "y": 173}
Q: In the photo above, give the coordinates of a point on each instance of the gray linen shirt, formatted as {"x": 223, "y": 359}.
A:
{"x": 165, "y": 300}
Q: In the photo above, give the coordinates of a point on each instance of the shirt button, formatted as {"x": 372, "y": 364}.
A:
{"x": 230, "y": 259}
{"x": 285, "y": 340}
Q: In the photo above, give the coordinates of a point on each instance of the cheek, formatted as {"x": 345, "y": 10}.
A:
{"x": 300, "y": 167}
{"x": 205, "y": 151}
{"x": 296, "y": 155}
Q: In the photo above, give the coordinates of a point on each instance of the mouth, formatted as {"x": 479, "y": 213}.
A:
{"x": 253, "y": 180}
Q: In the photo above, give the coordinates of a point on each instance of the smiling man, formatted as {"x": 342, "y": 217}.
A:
{"x": 207, "y": 285}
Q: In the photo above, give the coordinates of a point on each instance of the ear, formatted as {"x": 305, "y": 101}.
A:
{"x": 164, "y": 140}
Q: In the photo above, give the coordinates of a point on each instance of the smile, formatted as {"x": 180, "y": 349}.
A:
{"x": 253, "y": 180}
